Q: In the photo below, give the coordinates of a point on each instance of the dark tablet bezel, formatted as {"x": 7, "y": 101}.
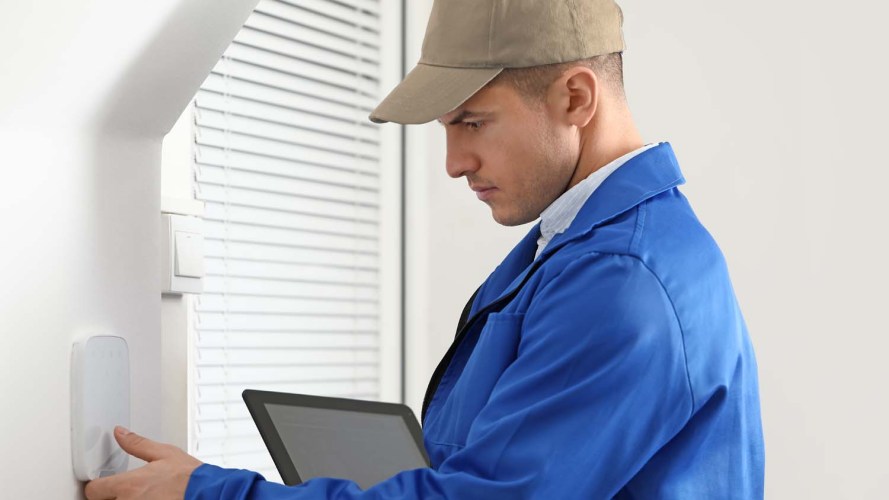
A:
{"x": 256, "y": 401}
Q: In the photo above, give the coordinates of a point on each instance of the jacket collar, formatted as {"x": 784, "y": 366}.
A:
{"x": 644, "y": 176}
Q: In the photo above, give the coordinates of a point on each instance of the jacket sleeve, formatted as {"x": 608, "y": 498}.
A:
{"x": 599, "y": 384}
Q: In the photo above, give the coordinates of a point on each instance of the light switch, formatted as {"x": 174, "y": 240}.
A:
{"x": 182, "y": 255}
{"x": 189, "y": 254}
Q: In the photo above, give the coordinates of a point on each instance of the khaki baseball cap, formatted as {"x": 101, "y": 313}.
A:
{"x": 469, "y": 42}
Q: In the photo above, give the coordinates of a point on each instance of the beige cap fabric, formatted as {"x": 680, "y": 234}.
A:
{"x": 469, "y": 42}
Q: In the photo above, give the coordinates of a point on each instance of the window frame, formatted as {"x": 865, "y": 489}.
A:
{"x": 177, "y": 197}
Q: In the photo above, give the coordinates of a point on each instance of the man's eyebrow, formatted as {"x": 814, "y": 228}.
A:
{"x": 462, "y": 116}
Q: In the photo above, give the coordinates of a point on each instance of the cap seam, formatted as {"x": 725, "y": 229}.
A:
{"x": 623, "y": 40}
{"x": 466, "y": 66}
{"x": 580, "y": 40}
{"x": 491, "y": 28}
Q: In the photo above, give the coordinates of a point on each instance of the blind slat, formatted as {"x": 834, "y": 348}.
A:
{"x": 349, "y": 16}
{"x": 348, "y": 83}
{"x": 282, "y": 185}
{"x": 217, "y": 157}
{"x": 368, "y": 6}
{"x": 284, "y": 203}
{"x": 358, "y": 129}
{"x": 247, "y": 286}
{"x": 245, "y": 143}
{"x": 285, "y": 133}
{"x": 311, "y": 19}
{"x": 314, "y": 87}
{"x": 284, "y": 237}
{"x": 294, "y": 31}
{"x": 324, "y": 340}
{"x": 232, "y": 393}
{"x": 264, "y": 323}
{"x": 228, "y": 445}
{"x": 257, "y": 375}
{"x": 295, "y": 221}
{"x": 270, "y": 253}
{"x": 213, "y": 412}
{"x": 235, "y": 428}
{"x": 260, "y": 92}
{"x": 260, "y": 357}
{"x": 346, "y": 62}
{"x": 295, "y": 272}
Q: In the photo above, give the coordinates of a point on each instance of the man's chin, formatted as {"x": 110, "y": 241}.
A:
{"x": 507, "y": 219}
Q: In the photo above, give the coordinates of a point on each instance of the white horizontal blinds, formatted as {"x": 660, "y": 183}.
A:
{"x": 289, "y": 170}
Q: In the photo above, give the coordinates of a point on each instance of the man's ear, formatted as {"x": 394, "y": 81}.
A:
{"x": 577, "y": 95}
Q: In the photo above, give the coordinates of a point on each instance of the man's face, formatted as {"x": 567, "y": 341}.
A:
{"x": 517, "y": 155}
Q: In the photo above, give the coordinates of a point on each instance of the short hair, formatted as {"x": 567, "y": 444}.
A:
{"x": 533, "y": 82}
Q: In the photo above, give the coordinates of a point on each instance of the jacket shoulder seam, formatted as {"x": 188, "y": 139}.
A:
{"x": 636, "y": 238}
{"x": 657, "y": 278}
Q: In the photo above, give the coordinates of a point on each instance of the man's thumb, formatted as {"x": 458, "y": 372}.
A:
{"x": 139, "y": 446}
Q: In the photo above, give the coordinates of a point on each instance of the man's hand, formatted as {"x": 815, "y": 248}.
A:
{"x": 165, "y": 477}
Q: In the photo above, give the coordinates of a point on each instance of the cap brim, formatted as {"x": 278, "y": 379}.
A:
{"x": 428, "y": 92}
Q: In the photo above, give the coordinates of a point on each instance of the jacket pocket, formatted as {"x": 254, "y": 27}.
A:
{"x": 493, "y": 352}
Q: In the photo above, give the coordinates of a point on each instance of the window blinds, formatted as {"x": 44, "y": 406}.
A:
{"x": 289, "y": 170}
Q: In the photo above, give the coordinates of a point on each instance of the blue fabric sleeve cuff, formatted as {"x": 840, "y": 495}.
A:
{"x": 209, "y": 482}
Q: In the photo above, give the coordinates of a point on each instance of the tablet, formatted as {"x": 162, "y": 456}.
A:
{"x": 313, "y": 436}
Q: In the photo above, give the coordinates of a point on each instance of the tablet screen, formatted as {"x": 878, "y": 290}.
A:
{"x": 364, "y": 447}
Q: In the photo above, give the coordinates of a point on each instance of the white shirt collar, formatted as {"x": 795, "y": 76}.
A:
{"x": 560, "y": 214}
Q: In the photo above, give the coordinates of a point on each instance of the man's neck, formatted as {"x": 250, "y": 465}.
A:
{"x": 604, "y": 140}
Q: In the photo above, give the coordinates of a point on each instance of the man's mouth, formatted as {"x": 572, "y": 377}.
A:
{"x": 484, "y": 193}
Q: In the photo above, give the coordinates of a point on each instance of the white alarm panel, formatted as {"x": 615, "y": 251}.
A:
{"x": 100, "y": 400}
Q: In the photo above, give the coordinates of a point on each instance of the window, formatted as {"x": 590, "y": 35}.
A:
{"x": 301, "y": 219}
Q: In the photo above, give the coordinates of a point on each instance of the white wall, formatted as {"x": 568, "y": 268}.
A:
{"x": 777, "y": 114}
{"x": 87, "y": 91}
{"x": 776, "y": 111}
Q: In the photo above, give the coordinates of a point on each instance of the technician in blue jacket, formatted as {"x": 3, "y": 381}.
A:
{"x": 606, "y": 357}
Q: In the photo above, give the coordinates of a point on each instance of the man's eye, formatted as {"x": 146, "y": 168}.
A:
{"x": 473, "y": 125}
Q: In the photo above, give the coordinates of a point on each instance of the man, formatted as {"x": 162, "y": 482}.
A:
{"x": 606, "y": 357}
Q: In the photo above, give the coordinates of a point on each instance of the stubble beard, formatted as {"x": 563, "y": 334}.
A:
{"x": 553, "y": 168}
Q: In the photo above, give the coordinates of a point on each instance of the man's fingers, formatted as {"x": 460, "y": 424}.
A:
{"x": 106, "y": 488}
{"x": 139, "y": 446}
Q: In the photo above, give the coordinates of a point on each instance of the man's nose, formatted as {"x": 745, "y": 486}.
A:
{"x": 460, "y": 161}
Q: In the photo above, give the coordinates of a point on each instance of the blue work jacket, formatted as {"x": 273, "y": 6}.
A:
{"x": 615, "y": 365}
